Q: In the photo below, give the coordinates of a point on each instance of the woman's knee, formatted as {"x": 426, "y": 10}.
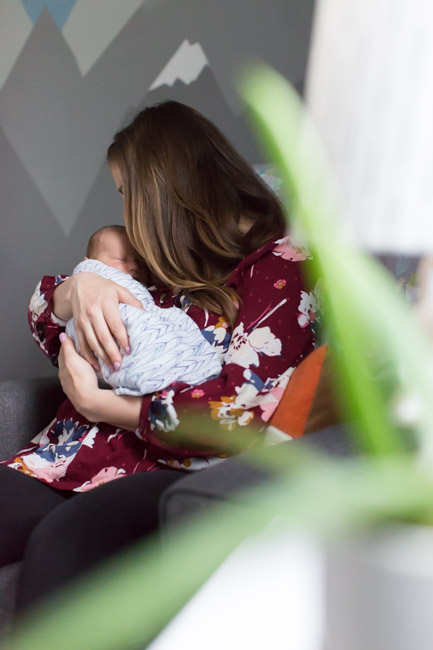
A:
{"x": 88, "y": 528}
{"x": 77, "y": 527}
{"x": 99, "y": 522}
{"x": 65, "y": 545}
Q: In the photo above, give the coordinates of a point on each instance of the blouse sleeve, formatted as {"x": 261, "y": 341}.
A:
{"x": 44, "y": 325}
{"x": 270, "y": 338}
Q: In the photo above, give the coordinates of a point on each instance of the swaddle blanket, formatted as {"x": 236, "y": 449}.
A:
{"x": 166, "y": 344}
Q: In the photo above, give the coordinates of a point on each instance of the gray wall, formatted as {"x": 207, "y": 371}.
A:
{"x": 70, "y": 79}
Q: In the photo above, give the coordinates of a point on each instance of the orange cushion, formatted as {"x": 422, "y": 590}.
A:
{"x": 308, "y": 403}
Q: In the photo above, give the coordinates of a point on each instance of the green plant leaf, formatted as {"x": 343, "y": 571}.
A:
{"x": 382, "y": 349}
{"x": 130, "y": 599}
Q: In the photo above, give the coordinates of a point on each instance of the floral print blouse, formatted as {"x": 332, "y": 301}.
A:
{"x": 274, "y": 331}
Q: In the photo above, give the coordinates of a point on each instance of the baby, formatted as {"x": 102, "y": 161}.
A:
{"x": 110, "y": 245}
{"x": 166, "y": 344}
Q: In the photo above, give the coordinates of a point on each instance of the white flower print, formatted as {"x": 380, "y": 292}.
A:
{"x": 105, "y": 475}
{"x": 306, "y": 308}
{"x": 289, "y": 250}
{"x": 42, "y": 437}
{"x": 89, "y": 439}
{"x": 218, "y": 336}
{"x": 48, "y": 470}
{"x": 229, "y": 414}
{"x": 268, "y": 397}
{"x": 191, "y": 464}
{"x": 38, "y": 304}
{"x": 162, "y": 414}
{"x": 41, "y": 343}
{"x": 310, "y": 306}
{"x": 245, "y": 348}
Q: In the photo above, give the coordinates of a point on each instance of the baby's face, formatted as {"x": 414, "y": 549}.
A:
{"x": 115, "y": 250}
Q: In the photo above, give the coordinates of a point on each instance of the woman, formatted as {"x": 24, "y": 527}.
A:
{"x": 212, "y": 236}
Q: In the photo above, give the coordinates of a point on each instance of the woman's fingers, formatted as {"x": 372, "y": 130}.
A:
{"x": 116, "y": 327}
{"x": 114, "y": 320}
{"x": 88, "y": 343}
{"x": 68, "y": 355}
{"x": 100, "y": 341}
{"x": 99, "y": 326}
{"x": 76, "y": 376}
{"x": 109, "y": 349}
{"x": 95, "y": 336}
{"x": 128, "y": 298}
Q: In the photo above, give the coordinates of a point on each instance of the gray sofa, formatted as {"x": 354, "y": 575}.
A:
{"x": 26, "y": 406}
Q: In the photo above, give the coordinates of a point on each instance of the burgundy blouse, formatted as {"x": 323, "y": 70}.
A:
{"x": 274, "y": 331}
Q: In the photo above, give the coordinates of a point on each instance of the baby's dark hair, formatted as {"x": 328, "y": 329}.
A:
{"x": 92, "y": 246}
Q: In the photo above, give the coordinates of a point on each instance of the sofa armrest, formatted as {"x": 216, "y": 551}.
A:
{"x": 26, "y": 407}
{"x": 223, "y": 483}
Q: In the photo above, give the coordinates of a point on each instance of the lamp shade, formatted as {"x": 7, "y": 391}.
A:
{"x": 370, "y": 94}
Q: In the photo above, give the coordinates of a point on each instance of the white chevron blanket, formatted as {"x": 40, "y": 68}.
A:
{"x": 166, "y": 344}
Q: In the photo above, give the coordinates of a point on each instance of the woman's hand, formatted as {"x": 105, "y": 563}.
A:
{"x": 78, "y": 379}
{"x": 93, "y": 302}
{"x": 80, "y": 385}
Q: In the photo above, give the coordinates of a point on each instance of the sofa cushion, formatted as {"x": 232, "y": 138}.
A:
{"x": 26, "y": 407}
{"x": 308, "y": 403}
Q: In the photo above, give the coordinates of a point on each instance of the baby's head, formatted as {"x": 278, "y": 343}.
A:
{"x": 111, "y": 246}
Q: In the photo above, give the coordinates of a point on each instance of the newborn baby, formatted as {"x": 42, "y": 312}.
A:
{"x": 166, "y": 345}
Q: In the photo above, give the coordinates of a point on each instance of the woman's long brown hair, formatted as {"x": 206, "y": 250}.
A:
{"x": 193, "y": 206}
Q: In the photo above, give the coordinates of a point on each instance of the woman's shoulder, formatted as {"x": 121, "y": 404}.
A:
{"x": 281, "y": 251}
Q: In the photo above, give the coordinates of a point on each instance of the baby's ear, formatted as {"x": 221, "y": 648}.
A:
{"x": 86, "y": 258}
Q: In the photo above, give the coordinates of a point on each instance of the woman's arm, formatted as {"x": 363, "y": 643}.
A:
{"x": 62, "y": 306}
{"x": 270, "y": 338}
{"x": 93, "y": 302}
{"x": 121, "y": 411}
{"x": 80, "y": 385}
{"x": 44, "y": 325}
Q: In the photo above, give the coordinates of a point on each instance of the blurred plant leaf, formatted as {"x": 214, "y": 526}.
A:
{"x": 382, "y": 349}
{"x": 128, "y": 601}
